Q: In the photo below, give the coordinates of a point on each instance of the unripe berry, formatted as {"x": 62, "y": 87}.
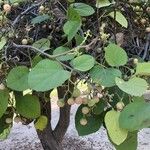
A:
{"x": 17, "y": 119}
{"x": 85, "y": 110}
{"x": 70, "y": 101}
{"x": 135, "y": 61}
{"x": 78, "y": 100}
{"x": 120, "y": 105}
{"x": 76, "y": 92}
{"x": 61, "y": 103}
{"x": 24, "y": 41}
{"x": 41, "y": 8}
{"x": 7, "y": 8}
{"x": 2, "y": 86}
{"x": 91, "y": 103}
{"x": 8, "y": 120}
{"x": 83, "y": 122}
{"x": 148, "y": 9}
{"x": 143, "y": 21}
{"x": 148, "y": 29}
{"x": 85, "y": 101}
{"x": 96, "y": 99}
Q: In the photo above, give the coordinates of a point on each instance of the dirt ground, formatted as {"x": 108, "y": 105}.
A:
{"x": 25, "y": 137}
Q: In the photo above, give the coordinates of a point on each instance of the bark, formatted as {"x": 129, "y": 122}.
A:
{"x": 52, "y": 139}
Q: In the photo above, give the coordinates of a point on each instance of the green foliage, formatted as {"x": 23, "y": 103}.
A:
{"x": 28, "y": 106}
{"x": 83, "y": 63}
{"x": 135, "y": 116}
{"x": 104, "y": 76}
{"x": 143, "y": 69}
{"x": 4, "y": 95}
{"x": 93, "y": 125}
{"x": 3, "y": 41}
{"x": 117, "y": 134}
{"x": 42, "y": 76}
{"x": 115, "y": 55}
{"x": 40, "y": 19}
{"x": 102, "y": 3}
{"x": 17, "y": 78}
{"x": 135, "y": 86}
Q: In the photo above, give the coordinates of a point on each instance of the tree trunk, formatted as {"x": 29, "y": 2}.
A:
{"x": 52, "y": 139}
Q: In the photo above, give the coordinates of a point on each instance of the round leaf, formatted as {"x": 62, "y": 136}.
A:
{"x": 135, "y": 86}
{"x": 46, "y": 75}
{"x": 83, "y": 9}
{"x": 115, "y": 55}
{"x": 28, "y": 106}
{"x": 104, "y": 77}
{"x": 143, "y": 69}
{"x": 135, "y": 116}
{"x": 93, "y": 125}
{"x": 18, "y": 78}
{"x": 116, "y": 134}
{"x": 83, "y": 62}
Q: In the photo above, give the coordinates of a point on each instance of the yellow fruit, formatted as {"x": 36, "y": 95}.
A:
{"x": 91, "y": 103}
{"x": 70, "y": 101}
{"x": 96, "y": 99}
{"x": 8, "y": 120}
{"x": 120, "y": 105}
{"x": 83, "y": 122}
{"x": 61, "y": 103}
{"x": 24, "y": 41}
{"x": 85, "y": 110}
{"x": 7, "y": 8}
{"x": 76, "y": 92}
{"x": 78, "y": 100}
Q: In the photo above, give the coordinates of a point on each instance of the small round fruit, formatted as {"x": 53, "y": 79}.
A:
{"x": 7, "y": 8}
{"x": 148, "y": 29}
{"x": 143, "y": 21}
{"x": 148, "y": 9}
{"x": 120, "y": 105}
{"x": 17, "y": 119}
{"x": 91, "y": 103}
{"x": 83, "y": 122}
{"x": 85, "y": 110}
{"x": 60, "y": 103}
{"x": 78, "y": 100}
{"x": 24, "y": 41}
{"x": 135, "y": 61}
{"x": 96, "y": 99}
{"x": 41, "y": 8}
{"x": 8, "y": 120}
{"x": 76, "y": 92}
{"x": 2, "y": 86}
{"x": 84, "y": 101}
{"x": 70, "y": 101}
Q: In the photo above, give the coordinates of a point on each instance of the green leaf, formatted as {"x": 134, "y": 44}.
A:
{"x": 36, "y": 60}
{"x": 102, "y": 3}
{"x": 83, "y": 62}
{"x": 135, "y": 86}
{"x": 4, "y": 95}
{"x": 3, "y": 41}
{"x": 46, "y": 75}
{"x": 28, "y": 106}
{"x": 42, "y": 44}
{"x": 5, "y": 133}
{"x": 83, "y": 9}
{"x": 73, "y": 24}
{"x": 40, "y": 19}
{"x": 120, "y": 18}
{"x": 117, "y": 134}
{"x": 93, "y": 125}
{"x": 71, "y": 28}
{"x": 131, "y": 142}
{"x": 62, "y": 50}
{"x": 99, "y": 107}
{"x": 41, "y": 123}
{"x": 17, "y": 78}
{"x": 143, "y": 69}
{"x": 105, "y": 77}
{"x": 115, "y": 55}
{"x": 135, "y": 116}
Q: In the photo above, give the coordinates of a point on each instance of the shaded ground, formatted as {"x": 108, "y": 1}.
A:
{"x": 25, "y": 138}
